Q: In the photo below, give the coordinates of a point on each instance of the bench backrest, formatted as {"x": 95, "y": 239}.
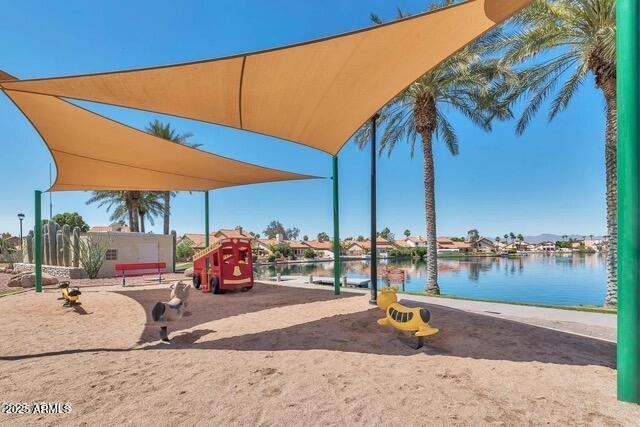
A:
{"x": 140, "y": 266}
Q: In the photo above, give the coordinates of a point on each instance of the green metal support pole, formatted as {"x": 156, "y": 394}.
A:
{"x": 374, "y": 234}
{"x": 628, "y": 24}
{"x": 337, "y": 266}
{"x": 37, "y": 228}
{"x": 206, "y": 219}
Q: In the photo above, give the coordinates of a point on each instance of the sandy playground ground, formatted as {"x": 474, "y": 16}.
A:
{"x": 287, "y": 356}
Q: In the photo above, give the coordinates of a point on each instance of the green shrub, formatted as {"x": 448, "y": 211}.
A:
{"x": 419, "y": 252}
{"x": 400, "y": 252}
{"x": 281, "y": 248}
{"x": 184, "y": 250}
{"x": 309, "y": 253}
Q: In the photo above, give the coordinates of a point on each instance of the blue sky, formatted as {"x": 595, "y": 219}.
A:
{"x": 551, "y": 180}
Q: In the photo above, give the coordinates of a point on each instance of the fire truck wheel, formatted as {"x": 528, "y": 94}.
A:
{"x": 215, "y": 285}
{"x": 196, "y": 280}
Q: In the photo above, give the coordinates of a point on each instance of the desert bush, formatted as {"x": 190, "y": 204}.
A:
{"x": 10, "y": 256}
{"x": 92, "y": 254}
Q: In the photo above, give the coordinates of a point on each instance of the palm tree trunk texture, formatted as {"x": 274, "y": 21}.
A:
{"x": 131, "y": 220}
{"x": 430, "y": 214}
{"x": 610, "y": 154}
{"x": 135, "y": 203}
{"x": 425, "y": 120}
{"x": 141, "y": 222}
{"x": 167, "y": 211}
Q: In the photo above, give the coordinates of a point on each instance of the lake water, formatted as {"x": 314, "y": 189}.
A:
{"x": 542, "y": 279}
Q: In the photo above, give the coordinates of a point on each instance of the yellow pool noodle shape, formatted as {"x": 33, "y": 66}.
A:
{"x": 413, "y": 319}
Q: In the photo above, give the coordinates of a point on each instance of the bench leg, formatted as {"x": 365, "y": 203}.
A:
{"x": 123, "y": 279}
{"x": 420, "y": 343}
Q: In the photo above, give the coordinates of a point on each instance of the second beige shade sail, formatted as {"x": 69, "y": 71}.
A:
{"x": 92, "y": 152}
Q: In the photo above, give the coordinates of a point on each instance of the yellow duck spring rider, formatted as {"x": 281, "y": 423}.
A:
{"x": 70, "y": 296}
{"x": 413, "y": 319}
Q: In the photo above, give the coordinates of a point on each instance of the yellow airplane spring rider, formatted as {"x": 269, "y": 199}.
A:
{"x": 412, "y": 319}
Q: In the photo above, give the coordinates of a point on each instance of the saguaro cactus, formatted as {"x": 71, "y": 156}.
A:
{"x": 29, "y": 239}
{"x": 59, "y": 247}
{"x": 46, "y": 254}
{"x": 53, "y": 242}
{"x": 66, "y": 245}
{"x": 76, "y": 246}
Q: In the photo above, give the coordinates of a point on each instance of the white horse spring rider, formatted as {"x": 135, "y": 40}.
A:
{"x": 172, "y": 310}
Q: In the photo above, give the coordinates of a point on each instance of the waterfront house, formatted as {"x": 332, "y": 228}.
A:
{"x": 520, "y": 247}
{"x": 297, "y": 247}
{"x": 323, "y": 249}
{"x": 446, "y": 245}
{"x": 383, "y": 246}
{"x": 197, "y": 241}
{"x": 547, "y": 246}
{"x": 414, "y": 242}
{"x": 484, "y": 245}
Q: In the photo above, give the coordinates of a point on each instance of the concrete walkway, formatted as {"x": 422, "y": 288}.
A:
{"x": 594, "y": 325}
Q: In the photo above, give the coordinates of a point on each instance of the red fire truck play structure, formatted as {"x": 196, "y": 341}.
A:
{"x": 226, "y": 264}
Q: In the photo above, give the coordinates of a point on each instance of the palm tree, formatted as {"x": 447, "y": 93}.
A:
{"x": 149, "y": 207}
{"x": 124, "y": 204}
{"x": 506, "y": 238}
{"x": 520, "y": 237}
{"x": 462, "y": 82}
{"x": 164, "y": 131}
{"x": 512, "y": 236}
{"x": 407, "y": 232}
{"x": 571, "y": 39}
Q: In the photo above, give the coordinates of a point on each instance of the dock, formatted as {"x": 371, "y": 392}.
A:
{"x": 325, "y": 280}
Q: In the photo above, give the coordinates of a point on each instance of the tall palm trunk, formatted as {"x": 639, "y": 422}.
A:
{"x": 425, "y": 121}
{"x": 135, "y": 205}
{"x": 610, "y": 155}
{"x": 141, "y": 213}
{"x": 167, "y": 211}
{"x": 130, "y": 213}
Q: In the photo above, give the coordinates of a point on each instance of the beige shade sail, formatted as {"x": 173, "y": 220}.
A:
{"x": 317, "y": 93}
{"x": 92, "y": 152}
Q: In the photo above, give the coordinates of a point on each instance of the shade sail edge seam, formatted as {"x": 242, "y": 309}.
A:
{"x": 139, "y": 167}
{"x": 160, "y": 140}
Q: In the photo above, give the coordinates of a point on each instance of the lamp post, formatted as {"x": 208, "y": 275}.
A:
{"x": 21, "y": 217}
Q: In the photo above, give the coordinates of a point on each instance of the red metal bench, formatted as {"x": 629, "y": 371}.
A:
{"x": 160, "y": 267}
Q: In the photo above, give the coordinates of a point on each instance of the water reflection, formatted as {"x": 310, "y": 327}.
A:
{"x": 548, "y": 279}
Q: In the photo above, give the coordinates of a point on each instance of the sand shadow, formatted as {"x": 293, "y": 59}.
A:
{"x": 206, "y": 307}
{"x": 78, "y": 309}
{"x": 462, "y": 334}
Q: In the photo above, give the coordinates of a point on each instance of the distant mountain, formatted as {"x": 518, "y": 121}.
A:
{"x": 554, "y": 238}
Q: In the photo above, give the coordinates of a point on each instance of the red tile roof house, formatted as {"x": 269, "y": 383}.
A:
{"x": 323, "y": 249}
{"x": 415, "y": 241}
{"x": 113, "y": 228}
{"x": 383, "y": 246}
{"x": 484, "y": 245}
{"x": 446, "y": 245}
{"x": 298, "y": 247}
{"x": 198, "y": 240}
